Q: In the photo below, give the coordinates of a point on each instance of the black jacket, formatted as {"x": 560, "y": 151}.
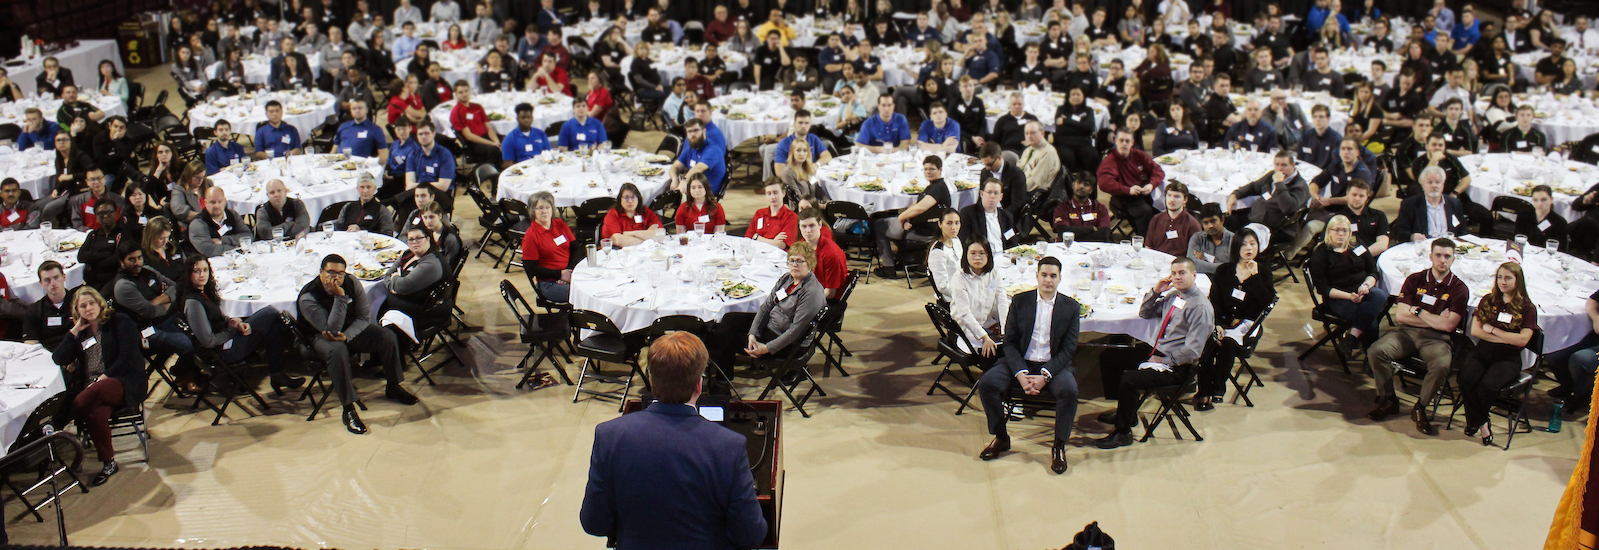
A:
{"x": 119, "y": 350}
{"x": 1413, "y": 217}
{"x": 974, "y": 226}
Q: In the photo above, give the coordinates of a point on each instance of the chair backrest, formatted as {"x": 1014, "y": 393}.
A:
{"x": 331, "y": 212}
{"x": 593, "y": 320}
{"x": 1508, "y": 213}
{"x": 135, "y": 96}
{"x": 594, "y": 208}
{"x": 676, "y": 323}
{"x": 808, "y": 344}
{"x": 486, "y": 175}
{"x": 10, "y": 132}
{"x": 671, "y": 146}
{"x": 665, "y": 205}
{"x": 48, "y": 412}
{"x": 1256, "y": 330}
{"x": 525, "y": 316}
{"x": 846, "y": 210}
{"x": 1587, "y": 150}
{"x": 515, "y": 209}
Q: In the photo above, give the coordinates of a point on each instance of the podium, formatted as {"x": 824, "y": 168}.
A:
{"x": 765, "y": 449}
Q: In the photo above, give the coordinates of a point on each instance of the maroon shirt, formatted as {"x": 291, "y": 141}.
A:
{"x": 1170, "y": 235}
{"x": 1435, "y": 295}
{"x": 1087, "y": 213}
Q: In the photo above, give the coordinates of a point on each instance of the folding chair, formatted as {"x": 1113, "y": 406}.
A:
{"x": 1411, "y": 370}
{"x": 692, "y": 325}
{"x": 432, "y": 338}
{"x": 512, "y": 209}
{"x": 1513, "y": 398}
{"x": 665, "y": 206}
{"x": 590, "y": 216}
{"x": 913, "y": 253}
{"x": 541, "y": 333}
{"x": 1508, "y": 211}
{"x": 128, "y": 421}
{"x": 607, "y": 344}
{"x": 796, "y": 361}
{"x": 1171, "y": 407}
{"x": 493, "y": 221}
{"x": 1276, "y": 254}
{"x": 1246, "y": 349}
{"x": 832, "y": 346}
{"x": 864, "y": 245}
{"x": 45, "y": 451}
{"x": 1332, "y": 325}
{"x": 954, "y": 344}
{"x": 224, "y": 374}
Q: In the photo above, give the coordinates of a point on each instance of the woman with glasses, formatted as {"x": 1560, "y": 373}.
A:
{"x": 977, "y": 300}
{"x": 410, "y": 279}
{"x": 783, "y": 319}
{"x": 547, "y": 250}
{"x": 1345, "y": 275}
{"x": 629, "y": 222}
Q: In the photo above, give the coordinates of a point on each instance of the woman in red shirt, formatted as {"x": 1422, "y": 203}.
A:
{"x": 403, "y": 100}
{"x": 547, "y": 250}
{"x": 599, "y": 99}
{"x": 454, "y": 42}
{"x": 629, "y": 222}
{"x": 701, "y": 207}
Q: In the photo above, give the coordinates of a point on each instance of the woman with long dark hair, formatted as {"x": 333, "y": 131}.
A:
{"x": 161, "y": 252}
{"x": 944, "y": 257}
{"x": 112, "y": 83}
{"x": 701, "y": 207}
{"x": 1176, "y": 131}
{"x": 232, "y": 338}
{"x": 1503, "y": 325}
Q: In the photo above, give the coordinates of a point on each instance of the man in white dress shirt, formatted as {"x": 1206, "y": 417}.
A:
{"x": 446, "y": 12}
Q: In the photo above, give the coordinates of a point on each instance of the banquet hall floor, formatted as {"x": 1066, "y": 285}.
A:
{"x": 479, "y": 464}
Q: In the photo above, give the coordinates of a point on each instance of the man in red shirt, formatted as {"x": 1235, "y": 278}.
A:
{"x": 551, "y": 79}
{"x": 15, "y": 212}
{"x": 1169, "y": 231}
{"x": 471, "y": 124}
{"x": 1129, "y": 175}
{"x": 721, "y": 28}
{"x": 775, "y": 225}
{"x": 831, "y": 266}
{"x": 696, "y": 82}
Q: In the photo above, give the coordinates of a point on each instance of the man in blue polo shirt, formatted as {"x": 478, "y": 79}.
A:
{"x": 430, "y": 163}
{"x": 938, "y": 132}
{"x": 700, "y": 156}
{"x": 702, "y": 111}
{"x": 887, "y": 132}
{"x": 523, "y": 142}
{"x": 276, "y": 138}
{"x": 831, "y": 59}
{"x": 982, "y": 63}
{"x": 394, "y": 170}
{"x": 223, "y": 151}
{"x": 359, "y": 136}
{"x": 582, "y": 130}
{"x": 802, "y": 130}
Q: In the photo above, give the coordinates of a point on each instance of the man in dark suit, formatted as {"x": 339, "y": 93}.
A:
{"x": 1432, "y": 213}
{"x": 1013, "y": 179}
{"x": 986, "y": 221}
{"x": 288, "y": 51}
{"x": 667, "y": 453}
{"x": 1037, "y": 359}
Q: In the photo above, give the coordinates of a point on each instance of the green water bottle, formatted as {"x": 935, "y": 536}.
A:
{"x": 1554, "y": 416}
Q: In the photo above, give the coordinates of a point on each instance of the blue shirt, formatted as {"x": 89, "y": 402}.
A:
{"x": 1320, "y": 150}
{"x": 715, "y": 135}
{"x": 787, "y": 144}
{"x": 714, "y": 156}
{"x": 518, "y": 146}
{"x": 574, "y": 134}
{"x": 829, "y": 56}
{"x": 930, "y": 133}
{"x": 868, "y": 64}
{"x": 983, "y": 64}
{"x": 875, "y": 132}
{"x": 363, "y": 139}
{"x": 405, "y": 46}
{"x": 1316, "y": 18}
{"x": 430, "y": 168}
{"x": 916, "y": 36}
{"x": 399, "y": 155}
{"x": 218, "y": 156}
{"x": 279, "y": 140}
{"x": 1467, "y": 36}
{"x": 46, "y": 136}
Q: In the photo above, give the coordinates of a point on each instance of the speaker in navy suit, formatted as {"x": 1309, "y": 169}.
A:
{"x": 665, "y": 477}
{"x": 1037, "y": 360}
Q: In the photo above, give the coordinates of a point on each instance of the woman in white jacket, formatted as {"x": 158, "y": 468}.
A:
{"x": 944, "y": 257}
{"x": 978, "y": 301}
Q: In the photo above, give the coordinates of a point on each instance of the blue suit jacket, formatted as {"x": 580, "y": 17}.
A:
{"x": 665, "y": 477}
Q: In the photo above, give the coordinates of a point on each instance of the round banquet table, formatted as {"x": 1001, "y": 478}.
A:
{"x": 1040, "y": 104}
{"x": 592, "y": 29}
{"x": 258, "y": 68}
{"x": 580, "y": 180}
{"x": 1134, "y": 55}
{"x": 1587, "y": 66}
{"x": 28, "y": 376}
{"x": 633, "y": 287}
{"x": 902, "y": 64}
{"x": 1213, "y": 174}
{"x": 275, "y": 277}
{"x": 547, "y": 109}
{"x": 1498, "y": 174}
{"x": 14, "y": 112}
{"x": 302, "y": 110}
{"x": 456, "y": 65}
{"x": 1562, "y": 118}
{"x": 33, "y": 168}
{"x": 843, "y": 176}
{"x": 319, "y": 181}
{"x": 743, "y": 115}
{"x": 668, "y": 60}
{"x": 26, "y": 250}
{"x": 1111, "y": 314}
{"x": 1558, "y": 284}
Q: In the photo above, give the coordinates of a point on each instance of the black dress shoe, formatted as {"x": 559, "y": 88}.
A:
{"x": 285, "y": 381}
{"x": 1386, "y": 407}
{"x": 1114, "y": 440}
{"x": 1423, "y": 424}
{"x": 1560, "y": 392}
{"x": 1471, "y": 431}
{"x": 994, "y": 448}
{"x": 1107, "y": 417}
{"x": 353, "y": 422}
{"x": 105, "y": 474}
{"x": 1057, "y": 459}
{"x": 886, "y": 272}
{"x": 398, "y": 394}
{"x": 1203, "y": 404}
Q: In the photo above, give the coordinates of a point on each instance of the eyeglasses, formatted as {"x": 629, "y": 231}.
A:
{"x": 415, "y": 239}
{"x": 797, "y": 261}
{"x": 332, "y": 273}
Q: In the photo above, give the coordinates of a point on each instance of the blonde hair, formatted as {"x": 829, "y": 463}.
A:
{"x": 801, "y": 165}
{"x": 105, "y": 306}
{"x": 1335, "y": 222}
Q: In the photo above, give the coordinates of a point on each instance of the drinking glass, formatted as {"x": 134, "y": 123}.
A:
{"x": 277, "y": 234}
{"x": 592, "y": 259}
{"x": 1552, "y": 247}
{"x": 1126, "y": 244}
{"x": 327, "y": 229}
{"x": 244, "y": 244}
{"x": 605, "y": 244}
{"x": 1138, "y": 244}
{"x": 1521, "y": 241}
{"x": 1066, "y": 238}
{"x": 699, "y": 230}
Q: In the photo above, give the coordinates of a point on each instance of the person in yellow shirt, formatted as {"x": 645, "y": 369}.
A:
{"x": 775, "y": 22}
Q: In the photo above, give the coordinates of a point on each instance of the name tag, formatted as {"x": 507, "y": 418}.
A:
{"x": 1090, "y": 216}
{"x": 225, "y": 228}
{"x": 1238, "y": 294}
{"x": 1359, "y": 250}
{"x": 582, "y": 137}
{"x": 1306, "y": 149}
{"x": 88, "y": 209}
{"x": 705, "y": 218}
{"x": 1521, "y": 144}
{"x": 1270, "y": 77}
{"x": 285, "y": 140}
{"x": 152, "y": 283}
{"x": 1449, "y": 137}
{"x": 144, "y": 220}
{"x": 1453, "y": 220}
{"x": 1544, "y": 226}
{"x": 1428, "y": 299}
{"x": 1326, "y": 82}
{"x": 527, "y": 147}
{"x": 52, "y": 321}
{"x": 429, "y": 169}
{"x": 1077, "y": 117}
{"x": 638, "y": 218}
{"x": 147, "y": 332}
{"x": 781, "y": 294}
{"x": 89, "y": 342}
{"x": 1265, "y": 196}
{"x": 1179, "y": 302}
{"x": 470, "y": 116}
{"x": 367, "y": 217}
{"x": 1209, "y": 257}
{"x": 360, "y": 134}
{"x": 1249, "y": 137}
{"x": 962, "y": 108}
{"x": 1172, "y": 131}
{"x": 227, "y": 345}
{"x": 1503, "y": 317}
{"x": 1010, "y": 233}
{"x": 1171, "y": 234}
{"x": 13, "y": 216}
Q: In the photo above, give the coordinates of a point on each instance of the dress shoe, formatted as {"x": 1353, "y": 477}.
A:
{"x": 1423, "y": 424}
{"x": 1471, "y": 431}
{"x": 1560, "y": 392}
{"x": 886, "y": 272}
{"x": 105, "y": 474}
{"x": 353, "y": 422}
{"x": 1203, "y": 404}
{"x": 189, "y": 385}
{"x": 1107, "y": 417}
{"x": 1115, "y": 439}
{"x": 398, "y": 394}
{"x": 1057, "y": 459}
{"x": 994, "y": 448}
{"x": 1487, "y": 437}
{"x": 1386, "y": 407}
{"x": 283, "y": 381}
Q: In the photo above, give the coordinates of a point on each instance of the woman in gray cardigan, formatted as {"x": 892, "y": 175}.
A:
{"x": 783, "y": 319}
{"x": 409, "y": 280}
{"x": 231, "y": 337}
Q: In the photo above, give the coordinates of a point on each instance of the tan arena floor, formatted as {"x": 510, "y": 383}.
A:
{"x": 479, "y": 464}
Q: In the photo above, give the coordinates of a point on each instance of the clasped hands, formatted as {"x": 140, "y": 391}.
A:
{"x": 1032, "y": 384}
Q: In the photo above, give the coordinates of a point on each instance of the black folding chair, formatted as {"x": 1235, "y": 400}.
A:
{"x": 331, "y": 212}
{"x": 832, "y": 346}
{"x": 606, "y": 344}
{"x": 47, "y": 453}
{"x": 863, "y": 245}
{"x": 1246, "y": 349}
{"x": 1508, "y": 213}
{"x": 540, "y": 332}
{"x": 962, "y": 354}
{"x": 1333, "y": 326}
{"x": 665, "y": 206}
{"x": 226, "y": 380}
{"x": 693, "y": 325}
{"x": 513, "y": 209}
{"x": 590, "y": 216}
{"x": 1171, "y": 407}
{"x": 434, "y": 337}
{"x": 795, "y": 362}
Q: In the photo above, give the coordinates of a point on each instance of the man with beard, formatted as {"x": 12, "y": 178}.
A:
{"x": 1282, "y": 192}
{"x": 281, "y": 211}
{"x": 218, "y": 229}
{"x": 1082, "y": 214}
{"x": 700, "y": 157}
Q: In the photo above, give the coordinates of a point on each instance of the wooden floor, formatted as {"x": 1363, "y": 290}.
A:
{"x": 479, "y": 464}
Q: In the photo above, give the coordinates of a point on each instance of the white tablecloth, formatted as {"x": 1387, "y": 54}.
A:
{"x": 593, "y": 30}
{"x": 894, "y": 171}
{"x": 1111, "y": 313}
{"x": 1562, "y": 119}
{"x": 1040, "y": 104}
{"x": 26, "y": 250}
{"x": 638, "y": 289}
{"x": 456, "y": 65}
{"x": 14, "y": 112}
{"x": 302, "y": 110}
{"x": 766, "y": 113}
{"x": 258, "y": 68}
{"x": 668, "y": 60}
{"x": 547, "y": 109}
{"x": 275, "y": 278}
{"x": 1131, "y": 57}
{"x": 1498, "y": 174}
{"x": 1213, "y": 175}
{"x": 1561, "y": 312}
{"x": 28, "y": 376}
{"x": 578, "y": 180}
{"x": 84, "y": 61}
{"x": 33, "y": 168}
{"x": 317, "y": 180}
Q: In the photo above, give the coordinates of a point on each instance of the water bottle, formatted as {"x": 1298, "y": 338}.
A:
{"x": 1554, "y": 416}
